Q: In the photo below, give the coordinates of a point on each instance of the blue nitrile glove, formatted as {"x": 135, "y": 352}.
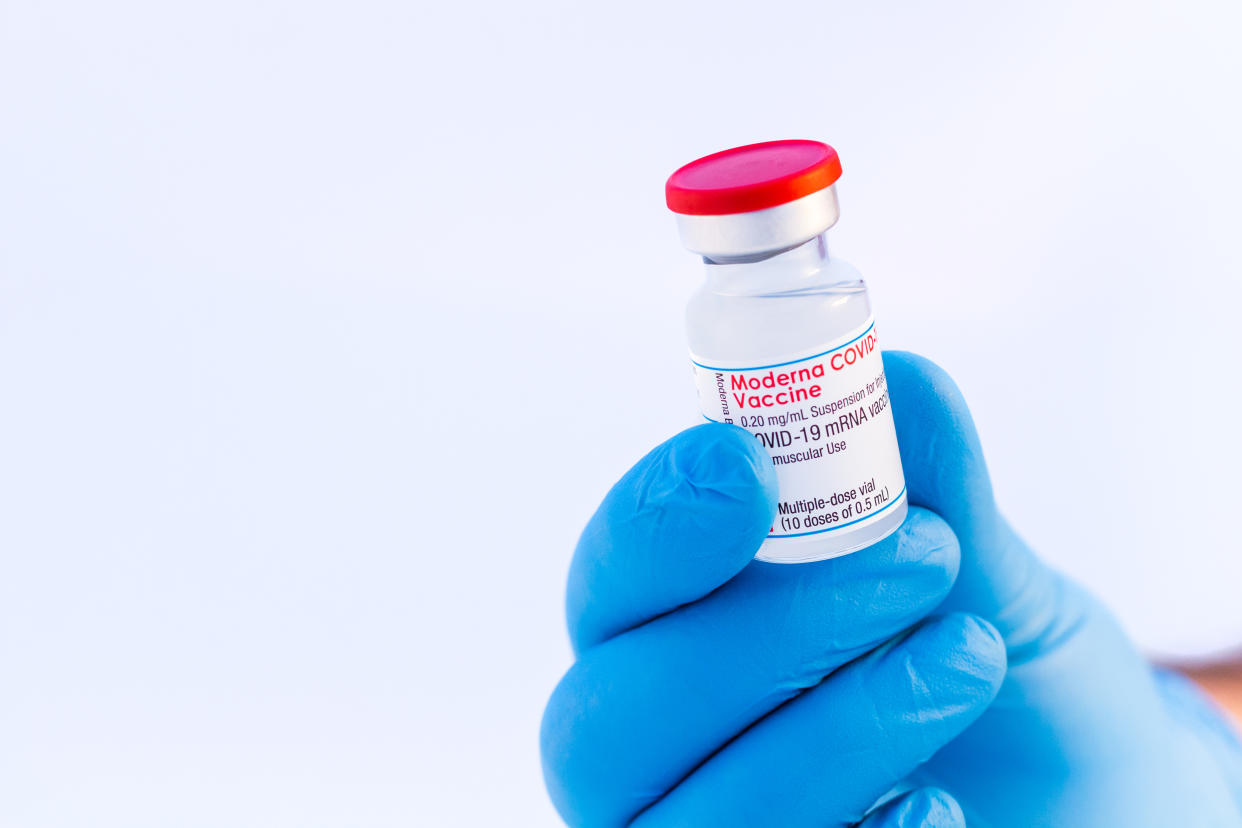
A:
{"x": 650, "y": 716}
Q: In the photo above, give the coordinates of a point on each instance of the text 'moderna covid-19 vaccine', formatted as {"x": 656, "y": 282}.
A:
{"x": 784, "y": 344}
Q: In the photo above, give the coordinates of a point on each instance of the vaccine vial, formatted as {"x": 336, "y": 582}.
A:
{"x": 784, "y": 344}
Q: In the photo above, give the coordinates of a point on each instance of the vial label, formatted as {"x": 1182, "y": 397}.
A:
{"x": 824, "y": 417}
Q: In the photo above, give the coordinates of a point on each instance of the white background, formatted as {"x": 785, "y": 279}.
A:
{"x": 323, "y": 327}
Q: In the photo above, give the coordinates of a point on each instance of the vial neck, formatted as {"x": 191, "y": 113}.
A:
{"x": 780, "y": 271}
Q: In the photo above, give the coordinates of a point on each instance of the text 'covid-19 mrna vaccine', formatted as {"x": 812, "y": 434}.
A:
{"x": 784, "y": 344}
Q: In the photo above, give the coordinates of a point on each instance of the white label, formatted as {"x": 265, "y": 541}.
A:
{"x": 825, "y": 418}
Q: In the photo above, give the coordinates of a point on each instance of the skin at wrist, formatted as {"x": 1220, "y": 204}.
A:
{"x": 1223, "y": 682}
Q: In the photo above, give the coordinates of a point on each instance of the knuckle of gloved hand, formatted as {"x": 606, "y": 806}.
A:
{"x": 930, "y": 808}
{"x": 916, "y": 574}
{"x": 928, "y": 543}
{"x": 930, "y": 685}
{"x": 952, "y": 666}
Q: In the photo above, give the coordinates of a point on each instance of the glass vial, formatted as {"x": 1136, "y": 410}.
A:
{"x": 784, "y": 344}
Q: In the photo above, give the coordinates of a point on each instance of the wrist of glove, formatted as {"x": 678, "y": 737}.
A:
{"x": 1203, "y": 721}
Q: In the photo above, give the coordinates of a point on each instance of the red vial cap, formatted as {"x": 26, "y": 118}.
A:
{"x": 753, "y": 177}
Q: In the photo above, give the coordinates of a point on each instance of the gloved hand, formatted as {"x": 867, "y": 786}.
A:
{"x": 699, "y": 696}
{"x": 714, "y": 690}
